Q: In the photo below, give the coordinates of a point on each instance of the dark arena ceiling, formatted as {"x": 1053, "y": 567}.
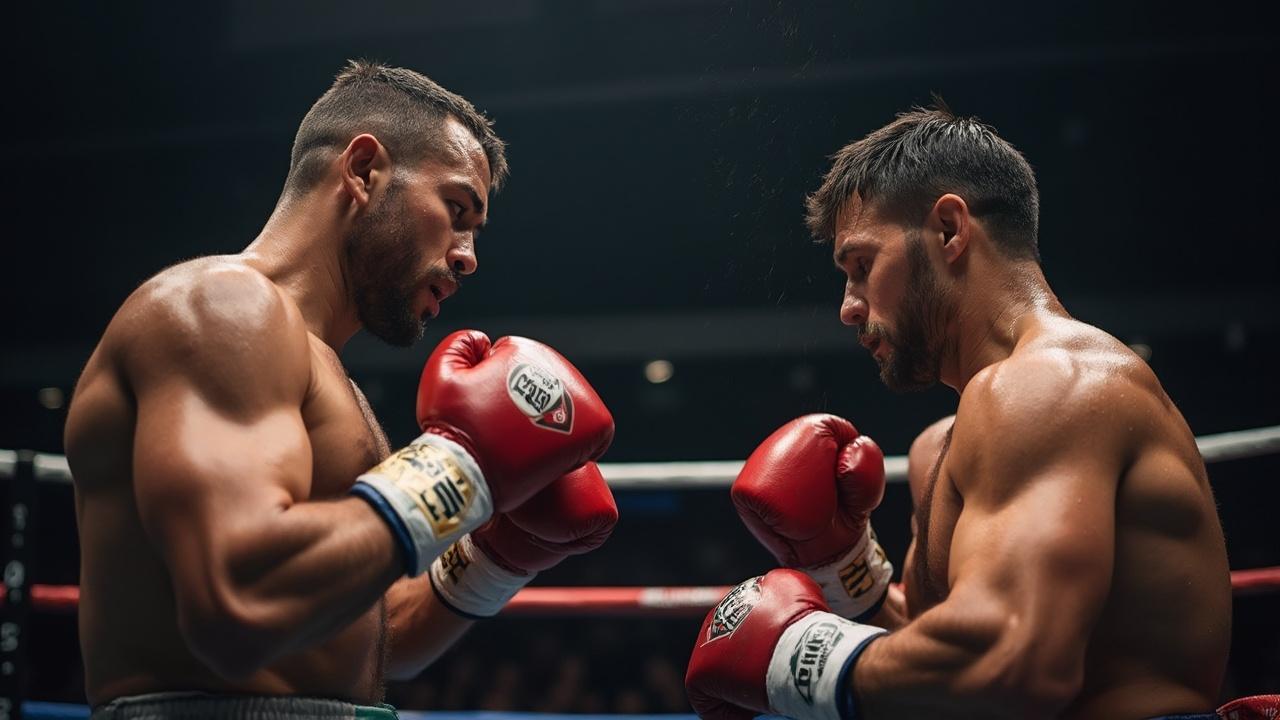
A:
{"x": 661, "y": 152}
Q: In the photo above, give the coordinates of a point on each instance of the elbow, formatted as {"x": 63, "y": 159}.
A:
{"x": 1017, "y": 679}
{"x": 227, "y": 635}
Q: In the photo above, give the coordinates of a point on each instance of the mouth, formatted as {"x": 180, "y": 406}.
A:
{"x": 876, "y": 346}
{"x": 438, "y": 295}
{"x": 432, "y": 309}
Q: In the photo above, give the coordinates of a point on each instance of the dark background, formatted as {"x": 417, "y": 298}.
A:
{"x": 661, "y": 151}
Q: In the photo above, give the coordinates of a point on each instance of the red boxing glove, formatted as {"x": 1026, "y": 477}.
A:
{"x": 770, "y": 647}
{"x": 480, "y": 573}
{"x": 522, "y": 411}
{"x": 571, "y": 516}
{"x": 806, "y": 494}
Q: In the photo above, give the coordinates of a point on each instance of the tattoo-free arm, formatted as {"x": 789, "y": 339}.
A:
{"x": 421, "y": 627}
{"x": 1029, "y": 566}
{"x": 222, "y": 469}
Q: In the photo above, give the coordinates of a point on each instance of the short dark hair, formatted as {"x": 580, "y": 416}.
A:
{"x": 905, "y": 166}
{"x": 405, "y": 110}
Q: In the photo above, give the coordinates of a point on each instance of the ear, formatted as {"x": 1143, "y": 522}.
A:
{"x": 950, "y": 218}
{"x": 363, "y": 165}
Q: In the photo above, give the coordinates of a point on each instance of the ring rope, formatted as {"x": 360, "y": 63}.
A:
{"x": 1219, "y": 447}
{"x": 629, "y": 601}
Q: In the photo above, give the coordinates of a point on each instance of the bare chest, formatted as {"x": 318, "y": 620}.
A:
{"x": 936, "y": 517}
{"x": 346, "y": 438}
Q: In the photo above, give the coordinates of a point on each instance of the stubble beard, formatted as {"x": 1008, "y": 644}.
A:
{"x": 913, "y": 361}
{"x": 382, "y": 259}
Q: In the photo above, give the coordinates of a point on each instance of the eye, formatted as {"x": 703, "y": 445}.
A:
{"x": 861, "y": 268}
{"x": 455, "y": 209}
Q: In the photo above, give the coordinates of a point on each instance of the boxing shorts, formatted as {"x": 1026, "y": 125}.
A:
{"x": 205, "y": 706}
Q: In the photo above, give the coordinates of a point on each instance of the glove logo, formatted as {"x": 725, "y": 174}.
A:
{"x": 733, "y": 610}
{"x": 541, "y": 397}
{"x": 440, "y": 489}
{"x": 809, "y": 658}
{"x": 869, "y": 569}
{"x": 452, "y": 564}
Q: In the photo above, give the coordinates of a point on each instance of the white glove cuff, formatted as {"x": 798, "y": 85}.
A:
{"x": 809, "y": 662}
{"x": 435, "y": 493}
{"x": 471, "y": 583}
{"x": 855, "y": 585}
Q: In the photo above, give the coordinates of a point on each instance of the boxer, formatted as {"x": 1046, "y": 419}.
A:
{"x": 250, "y": 545}
{"x": 1068, "y": 560}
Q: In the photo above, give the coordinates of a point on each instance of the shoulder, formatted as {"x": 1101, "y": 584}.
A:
{"x": 210, "y": 318}
{"x": 1068, "y": 376}
{"x": 210, "y": 300}
{"x": 1078, "y": 397}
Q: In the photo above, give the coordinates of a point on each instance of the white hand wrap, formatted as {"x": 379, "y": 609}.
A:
{"x": 856, "y": 583}
{"x": 471, "y": 583}
{"x": 430, "y": 492}
{"x": 806, "y": 672}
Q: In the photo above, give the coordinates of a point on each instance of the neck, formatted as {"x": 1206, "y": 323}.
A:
{"x": 993, "y": 315}
{"x": 301, "y": 250}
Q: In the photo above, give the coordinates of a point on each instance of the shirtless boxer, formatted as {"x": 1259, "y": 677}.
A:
{"x": 250, "y": 546}
{"x": 1068, "y": 560}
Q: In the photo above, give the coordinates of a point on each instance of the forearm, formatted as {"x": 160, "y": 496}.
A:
{"x": 916, "y": 670}
{"x": 892, "y": 614}
{"x": 295, "y": 578}
{"x": 953, "y": 661}
{"x": 420, "y": 626}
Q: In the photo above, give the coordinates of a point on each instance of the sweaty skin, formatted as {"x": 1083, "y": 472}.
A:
{"x": 213, "y": 437}
{"x": 1068, "y": 560}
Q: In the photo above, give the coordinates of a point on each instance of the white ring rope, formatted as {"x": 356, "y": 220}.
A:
{"x": 1239, "y": 444}
{"x": 721, "y": 473}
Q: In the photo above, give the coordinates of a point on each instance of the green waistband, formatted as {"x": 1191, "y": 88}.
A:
{"x": 208, "y": 706}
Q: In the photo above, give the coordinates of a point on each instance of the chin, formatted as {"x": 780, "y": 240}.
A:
{"x": 401, "y": 333}
{"x": 894, "y": 377}
{"x": 901, "y": 382}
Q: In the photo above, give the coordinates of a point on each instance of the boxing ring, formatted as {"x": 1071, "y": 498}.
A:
{"x": 25, "y": 471}
{"x": 67, "y": 711}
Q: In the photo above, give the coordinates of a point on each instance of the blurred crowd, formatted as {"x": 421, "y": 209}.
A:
{"x": 559, "y": 666}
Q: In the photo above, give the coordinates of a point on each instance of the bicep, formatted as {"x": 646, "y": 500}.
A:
{"x": 200, "y": 475}
{"x": 219, "y": 442}
{"x": 1035, "y": 541}
{"x": 1048, "y": 551}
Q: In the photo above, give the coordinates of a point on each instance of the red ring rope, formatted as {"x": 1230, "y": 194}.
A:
{"x": 628, "y": 601}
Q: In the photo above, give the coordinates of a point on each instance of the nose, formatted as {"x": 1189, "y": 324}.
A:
{"x": 462, "y": 257}
{"x": 853, "y": 311}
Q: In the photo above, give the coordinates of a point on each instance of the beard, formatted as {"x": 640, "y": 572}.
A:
{"x": 914, "y": 359}
{"x": 383, "y": 262}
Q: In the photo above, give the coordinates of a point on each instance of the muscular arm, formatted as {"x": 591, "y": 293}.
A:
{"x": 222, "y": 470}
{"x": 421, "y": 627}
{"x": 1030, "y": 561}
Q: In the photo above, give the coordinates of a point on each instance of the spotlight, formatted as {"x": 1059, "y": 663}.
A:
{"x": 658, "y": 371}
{"x": 50, "y": 397}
